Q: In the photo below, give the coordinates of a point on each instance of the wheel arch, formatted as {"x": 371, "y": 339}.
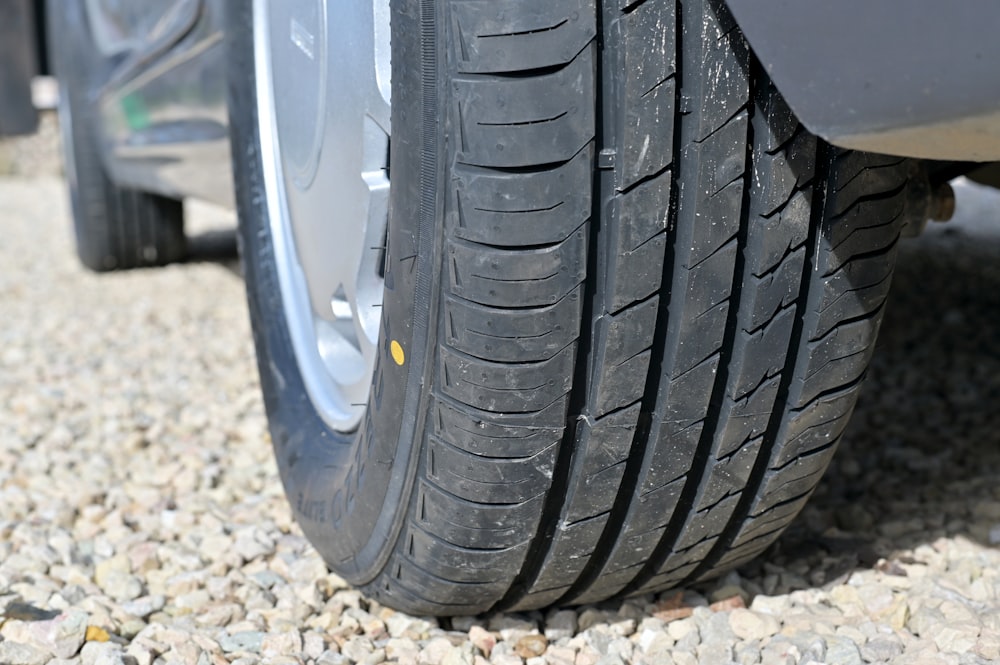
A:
{"x": 921, "y": 82}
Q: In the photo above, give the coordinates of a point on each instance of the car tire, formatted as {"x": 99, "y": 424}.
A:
{"x": 629, "y": 304}
{"x": 116, "y": 228}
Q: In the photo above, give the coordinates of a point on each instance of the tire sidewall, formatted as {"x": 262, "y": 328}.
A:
{"x": 348, "y": 492}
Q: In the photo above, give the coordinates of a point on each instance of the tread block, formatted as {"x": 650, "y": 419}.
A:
{"x": 514, "y": 35}
{"x": 461, "y": 564}
{"x": 639, "y": 273}
{"x": 838, "y": 359}
{"x": 715, "y": 70}
{"x": 640, "y": 241}
{"x": 878, "y": 179}
{"x": 630, "y": 331}
{"x": 417, "y": 603}
{"x": 643, "y": 212}
{"x": 570, "y": 551}
{"x": 419, "y": 580}
{"x": 602, "y": 446}
{"x": 475, "y": 525}
{"x": 680, "y": 426}
{"x": 489, "y": 480}
{"x": 714, "y": 215}
{"x": 704, "y": 309}
{"x": 648, "y": 47}
{"x": 872, "y": 214}
{"x": 626, "y": 340}
{"x": 861, "y": 242}
{"x": 622, "y": 384}
{"x": 610, "y": 582}
{"x": 862, "y": 269}
{"x": 498, "y": 435}
{"x": 850, "y": 164}
{"x": 526, "y": 121}
{"x": 798, "y": 478}
{"x": 760, "y": 355}
{"x": 504, "y": 388}
{"x": 512, "y": 335}
{"x": 728, "y": 476}
{"x": 772, "y": 238}
{"x": 814, "y": 426}
{"x": 530, "y": 278}
{"x": 510, "y": 209}
{"x": 774, "y": 291}
{"x": 747, "y": 418}
{"x": 697, "y": 539}
{"x": 779, "y": 126}
{"x": 856, "y": 302}
{"x": 676, "y": 575}
{"x": 776, "y": 186}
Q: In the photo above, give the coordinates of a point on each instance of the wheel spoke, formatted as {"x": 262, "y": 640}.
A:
{"x": 327, "y": 80}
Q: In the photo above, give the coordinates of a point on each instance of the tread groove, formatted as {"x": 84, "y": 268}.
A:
{"x": 553, "y": 502}
{"x": 703, "y": 452}
{"x": 760, "y": 467}
{"x": 641, "y": 439}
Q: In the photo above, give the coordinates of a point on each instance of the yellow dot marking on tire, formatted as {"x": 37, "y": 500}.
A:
{"x": 397, "y": 352}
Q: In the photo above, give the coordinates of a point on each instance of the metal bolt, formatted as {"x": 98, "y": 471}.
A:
{"x": 942, "y": 206}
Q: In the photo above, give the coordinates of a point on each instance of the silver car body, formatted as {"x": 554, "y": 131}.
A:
{"x": 164, "y": 122}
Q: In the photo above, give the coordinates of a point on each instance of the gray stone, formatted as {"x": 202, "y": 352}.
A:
{"x": 779, "y": 651}
{"x": 925, "y": 621}
{"x": 313, "y": 645}
{"x": 747, "y": 653}
{"x": 435, "y": 651}
{"x": 560, "y": 656}
{"x": 773, "y": 605}
{"x": 684, "y": 657}
{"x": 285, "y": 643}
{"x": 682, "y": 629}
{"x": 377, "y": 657}
{"x": 956, "y": 636}
{"x": 15, "y": 653}
{"x": 357, "y": 648}
{"x": 812, "y": 647}
{"x": 751, "y": 625}
{"x": 402, "y": 650}
{"x": 621, "y": 647}
{"x": 482, "y": 639}
{"x": 590, "y": 617}
{"x": 144, "y": 606}
{"x": 654, "y": 643}
{"x": 245, "y": 640}
{"x": 122, "y": 587}
{"x": 333, "y": 658}
{"x": 609, "y": 659}
{"x": 598, "y": 638}
{"x": 881, "y": 650}
{"x": 715, "y": 652}
{"x": 101, "y": 653}
{"x": 61, "y": 636}
{"x": 559, "y": 625}
{"x": 842, "y": 651}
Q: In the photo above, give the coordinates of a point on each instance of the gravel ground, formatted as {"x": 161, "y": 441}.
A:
{"x": 142, "y": 521}
{"x": 34, "y": 155}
